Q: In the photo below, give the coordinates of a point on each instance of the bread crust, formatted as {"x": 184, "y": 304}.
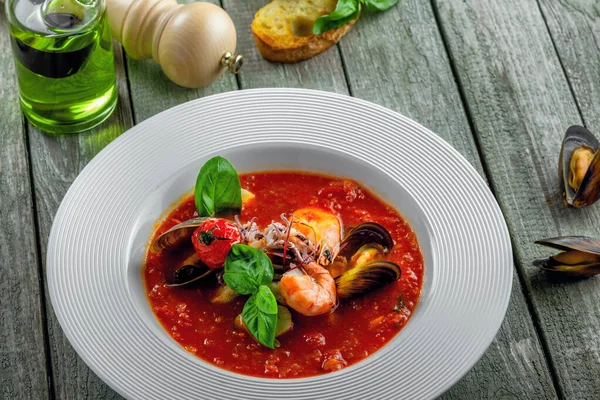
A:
{"x": 297, "y": 49}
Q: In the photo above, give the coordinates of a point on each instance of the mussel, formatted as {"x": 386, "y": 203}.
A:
{"x": 177, "y": 235}
{"x": 579, "y": 167}
{"x": 191, "y": 270}
{"x": 580, "y": 256}
{"x": 367, "y": 253}
{"x": 365, "y": 278}
{"x": 360, "y": 267}
{"x": 363, "y": 234}
{"x": 365, "y": 242}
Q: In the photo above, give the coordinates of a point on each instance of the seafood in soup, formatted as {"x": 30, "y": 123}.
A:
{"x": 296, "y": 274}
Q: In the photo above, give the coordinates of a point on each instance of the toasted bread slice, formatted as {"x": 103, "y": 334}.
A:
{"x": 283, "y": 29}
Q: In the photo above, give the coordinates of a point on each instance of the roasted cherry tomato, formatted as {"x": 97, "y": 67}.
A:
{"x": 213, "y": 240}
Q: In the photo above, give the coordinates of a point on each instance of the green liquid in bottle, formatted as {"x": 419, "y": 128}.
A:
{"x": 64, "y": 62}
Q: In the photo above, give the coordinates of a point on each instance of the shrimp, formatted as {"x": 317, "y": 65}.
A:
{"x": 311, "y": 292}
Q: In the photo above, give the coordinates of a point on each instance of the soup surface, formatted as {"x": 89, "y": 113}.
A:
{"x": 358, "y": 327}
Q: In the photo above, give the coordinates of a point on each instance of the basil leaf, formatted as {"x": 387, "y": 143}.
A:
{"x": 218, "y": 188}
{"x": 265, "y": 300}
{"x": 260, "y": 316}
{"x": 246, "y": 268}
{"x": 345, "y": 11}
{"x": 379, "y": 5}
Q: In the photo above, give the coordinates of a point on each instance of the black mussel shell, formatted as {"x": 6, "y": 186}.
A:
{"x": 191, "y": 270}
{"x": 189, "y": 274}
{"x": 365, "y": 233}
{"x": 178, "y": 235}
{"x": 589, "y": 190}
{"x": 365, "y": 278}
{"x": 565, "y": 243}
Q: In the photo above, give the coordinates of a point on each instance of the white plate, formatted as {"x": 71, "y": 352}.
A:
{"x": 97, "y": 240}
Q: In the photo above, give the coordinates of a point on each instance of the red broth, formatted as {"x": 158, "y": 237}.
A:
{"x": 358, "y": 327}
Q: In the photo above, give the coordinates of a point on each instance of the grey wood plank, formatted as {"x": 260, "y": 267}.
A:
{"x": 521, "y": 105}
{"x": 23, "y": 372}
{"x": 397, "y": 59}
{"x": 575, "y": 27}
{"x": 56, "y": 162}
{"x": 323, "y": 72}
{"x": 152, "y": 92}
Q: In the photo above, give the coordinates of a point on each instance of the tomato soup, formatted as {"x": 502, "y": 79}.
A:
{"x": 356, "y": 329}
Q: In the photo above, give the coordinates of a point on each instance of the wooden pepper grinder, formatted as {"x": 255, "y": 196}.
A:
{"x": 193, "y": 43}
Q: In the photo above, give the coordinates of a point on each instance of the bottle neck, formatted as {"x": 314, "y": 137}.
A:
{"x": 54, "y": 17}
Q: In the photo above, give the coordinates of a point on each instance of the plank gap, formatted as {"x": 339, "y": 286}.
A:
{"x": 463, "y": 98}
{"x": 562, "y": 65}
{"x": 126, "y": 69}
{"x": 344, "y": 69}
{"x": 238, "y": 80}
{"x": 40, "y": 267}
{"x": 537, "y": 325}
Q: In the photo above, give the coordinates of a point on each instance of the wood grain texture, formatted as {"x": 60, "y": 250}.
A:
{"x": 521, "y": 105}
{"x": 56, "y": 162}
{"x": 323, "y": 72}
{"x": 152, "y": 92}
{"x": 411, "y": 74}
{"x": 23, "y": 373}
{"x": 575, "y": 27}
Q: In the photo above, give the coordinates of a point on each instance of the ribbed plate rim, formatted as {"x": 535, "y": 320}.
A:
{"x": 305, "y": 100}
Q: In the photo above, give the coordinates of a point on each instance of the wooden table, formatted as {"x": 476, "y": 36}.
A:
{"x": 501, "y": 80}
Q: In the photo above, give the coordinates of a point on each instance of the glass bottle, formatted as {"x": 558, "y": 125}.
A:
{"x": 64, "y": 61}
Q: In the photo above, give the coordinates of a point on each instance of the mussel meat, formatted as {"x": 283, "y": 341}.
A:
{"x": 367, "y": 253}
{"x": 579, "y": 167}
{"x": 365, "y": 278}
{"x": 177, "y": 235}
{"x": 580, "y": 256}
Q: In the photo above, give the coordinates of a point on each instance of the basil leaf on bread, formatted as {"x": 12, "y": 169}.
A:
{"x": 347, "y": 11}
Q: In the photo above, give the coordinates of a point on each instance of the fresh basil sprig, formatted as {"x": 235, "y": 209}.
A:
{"x": 218, "y": 188}
{"x": 248, "y": 271}
{"x": 247, "y": 268}
{"x": 348, "y": 10}
{"x": 260, "y": 316}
